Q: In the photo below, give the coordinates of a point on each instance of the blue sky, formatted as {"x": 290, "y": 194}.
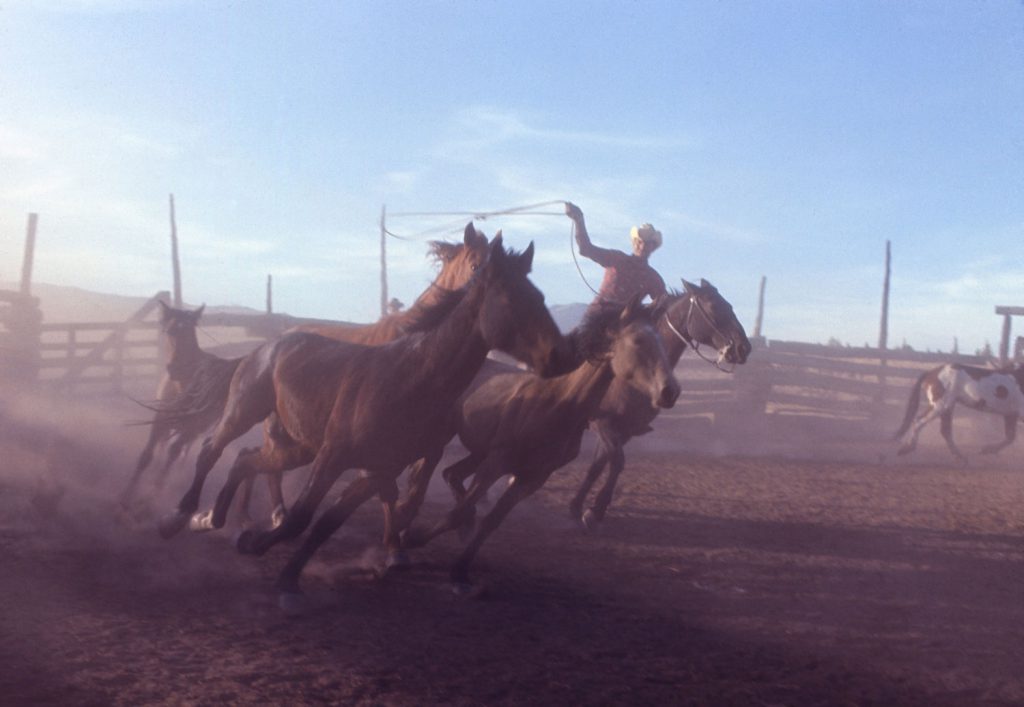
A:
{"x": 783, "y": 139}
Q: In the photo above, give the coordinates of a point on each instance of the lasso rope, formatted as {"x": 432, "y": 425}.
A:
{"x": 455, "y": 226}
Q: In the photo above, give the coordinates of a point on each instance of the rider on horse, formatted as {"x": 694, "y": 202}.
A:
{"x": 625, "y": 275}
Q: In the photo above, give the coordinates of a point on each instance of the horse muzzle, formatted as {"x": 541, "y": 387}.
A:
{"x": 668, "y": 394}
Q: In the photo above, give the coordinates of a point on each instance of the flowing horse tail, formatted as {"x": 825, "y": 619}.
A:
{"x": 202, "y": 402}
{"x": 912, "y": 404}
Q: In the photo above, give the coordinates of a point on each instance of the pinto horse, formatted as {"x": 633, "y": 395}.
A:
{"x": 529, "y": 427}
{"x": 1000, "y": 392}
{"x": 197, "y": 408}
{"x": 341, "y": 405}
{"x": 699, "y": 315}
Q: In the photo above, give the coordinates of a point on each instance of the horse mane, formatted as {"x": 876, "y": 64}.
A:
{"x": 440, "y": 251}
{"x": 592, "y": 338}
{"x": 431, "y": 316}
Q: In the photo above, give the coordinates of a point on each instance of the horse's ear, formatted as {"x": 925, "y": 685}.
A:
{"x": 498, "y": 233}
{"x": 470, "y": 236}
{"x": 526, "y": 259}
{"x": 199, "y": 312}
{"x": 689, "y": 286}
{"x": 706, "y": 285}
{"x": 165, "y": 310}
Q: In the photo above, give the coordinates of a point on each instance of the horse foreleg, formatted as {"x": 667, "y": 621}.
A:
{"x": 617, "y": 462}
{"x": 403, "y": 512}
{"x": 158, "y": 432}
{"x": 327, "y": 467}
{"x": 910, "y": 443}
{"x": 485, "y": 471}
{"x": 946, "y": 426}
{"x": 355, "y": 494}
{"x": 596, "y": 466}
{"x": 514, "y": 493}
{"x": 1010, "y": 429}
{"x": 208, "y": 456}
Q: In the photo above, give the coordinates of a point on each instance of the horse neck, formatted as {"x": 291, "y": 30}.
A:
{"x": 674, "y": 346}
{"x": 586, "y": 385}
{"x": 185, "y": 347}
{"x": 453, "y": 352}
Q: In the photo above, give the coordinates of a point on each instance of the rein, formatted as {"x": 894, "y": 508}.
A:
{"x": 695, "y": 345}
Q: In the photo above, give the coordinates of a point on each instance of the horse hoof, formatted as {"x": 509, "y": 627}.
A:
{"x": 245, "y": 542}
{"x": 201, "y": 522}
{"x": 412, "y": 538}
{"x": 397, "y": 560}
{"x": 590, "y": 521}
{"x": 173, "y": 524}
{"x": 277, "y": 517}
{"x": 293, "y": 603}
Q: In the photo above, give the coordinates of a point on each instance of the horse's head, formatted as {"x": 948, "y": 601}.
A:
{"x": 702, "y": 316}
{"x": 179, "y": 324}
{"x": 513, "y": 317}
{"x": 638, "y": 356}
{"x": 460, "y": 261}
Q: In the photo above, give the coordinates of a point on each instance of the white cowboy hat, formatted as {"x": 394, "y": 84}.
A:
{"x": 646, "y": 233}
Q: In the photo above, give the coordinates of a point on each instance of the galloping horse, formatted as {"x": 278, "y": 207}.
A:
{"x": 520, "y": 424}
{"x": 341, "y": 405}
{"x": 200, "y": 405}
{"x": 186, "y": 364}
{"x": 699, "y": 315}
{"x": 1000, "y": 392}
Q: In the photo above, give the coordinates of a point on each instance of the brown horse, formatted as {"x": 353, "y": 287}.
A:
{"x": 341, "y": 405}
{"x": 520, "y": 424}
{"x": 699, "y": 315}
{"x": 197, "y": 406}
{"x": 186, "y": 364}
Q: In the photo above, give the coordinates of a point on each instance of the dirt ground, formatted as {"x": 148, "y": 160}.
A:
{"x": 716, "y": 580}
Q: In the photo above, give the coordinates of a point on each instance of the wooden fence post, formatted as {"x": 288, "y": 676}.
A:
{"x": 29, "y": 256}
{"x": 175, "y": 263}
{"x": 383, "y": 262}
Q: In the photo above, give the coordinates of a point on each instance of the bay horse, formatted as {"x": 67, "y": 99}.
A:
{"x": 1000, "y": 392}
{"x": 698, "y": 315}
{"x": 196, "y": 407}
{"x": 529, "y": 427}
{"x": 186, "y": 363}
{"x": 342, "y": 405}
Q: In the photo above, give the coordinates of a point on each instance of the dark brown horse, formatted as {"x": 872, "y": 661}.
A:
{"x": 195, "y": 407}
{"x": 699, "y": 315}
{"x": 341, "y": 405}
{"x": 529, "y": 427}
{"x": 186, "y": 364}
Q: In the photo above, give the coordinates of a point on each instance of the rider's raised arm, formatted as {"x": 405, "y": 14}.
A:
{"x": 602, "y": 256}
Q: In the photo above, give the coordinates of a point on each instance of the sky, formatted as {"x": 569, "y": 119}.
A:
{"x": 787, "y": 140}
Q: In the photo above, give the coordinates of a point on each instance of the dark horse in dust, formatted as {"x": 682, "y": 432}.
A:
{"x": 187, "y": 365}
{"x": 529, "y": 427}
{"x": 699, "y": 315}
{"x": 1000, "y": 392}
{"x": 195, "y": 401}
{"x": 340, "y": 405}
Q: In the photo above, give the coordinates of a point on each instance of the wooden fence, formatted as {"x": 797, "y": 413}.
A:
{"x": 102, "y": 357}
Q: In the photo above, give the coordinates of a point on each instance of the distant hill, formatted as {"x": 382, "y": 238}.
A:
{"x": 63, "y": 304}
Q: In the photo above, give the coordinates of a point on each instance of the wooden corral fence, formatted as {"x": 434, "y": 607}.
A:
{"x": 20, "y": 319}
{"x": 104, "y": 357}
{"x": 855, "y": 390}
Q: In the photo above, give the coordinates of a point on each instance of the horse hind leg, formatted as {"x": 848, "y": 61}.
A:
{"x": 157, "y": 436}
{"x": 1010, "y": 431}
{"x": 513, "y": 494}
{"x": 910, "y": 442}
{"x": 946, "y": 426}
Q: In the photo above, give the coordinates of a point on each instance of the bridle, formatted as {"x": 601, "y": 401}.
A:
{"x": 695, "y": 345}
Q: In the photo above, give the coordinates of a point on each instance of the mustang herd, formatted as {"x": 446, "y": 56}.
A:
{"x": 389, "y": 396}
